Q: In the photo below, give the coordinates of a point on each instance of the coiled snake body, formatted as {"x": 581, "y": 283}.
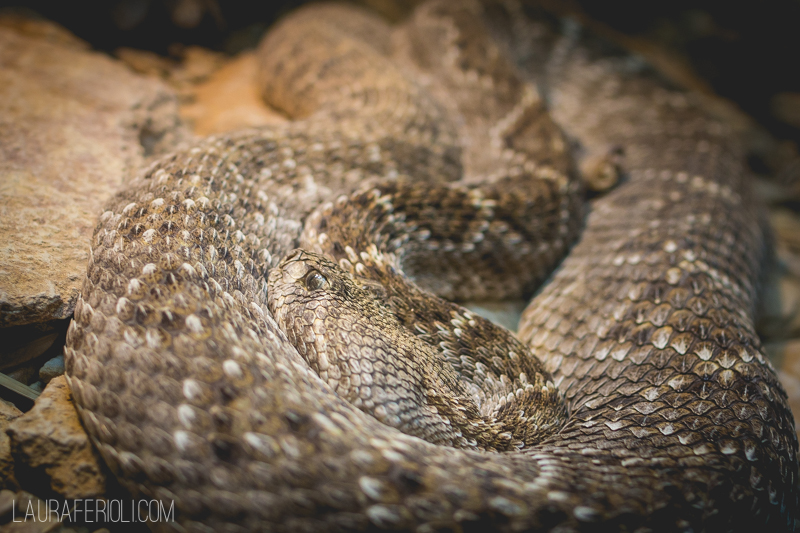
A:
{"x": 265, "y": 389}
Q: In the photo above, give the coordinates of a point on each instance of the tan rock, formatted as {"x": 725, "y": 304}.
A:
{"x": 197, "y": 65}
{"x": 782, "y": 304}
{"x": 146, "y": 62}
{"x": 786, "y": 226}
{"x": 7, "y": 413}
{"x": 229, "y": 100}
{"x": 51, "y": 444}
{"x": 785, "y": 355}
{"x": 779, "y": 316}
{"x": 42, "y": 30}
{"x": 73, "y": 124}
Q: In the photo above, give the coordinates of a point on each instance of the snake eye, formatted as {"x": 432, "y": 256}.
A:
{"x": 315, "y": 281}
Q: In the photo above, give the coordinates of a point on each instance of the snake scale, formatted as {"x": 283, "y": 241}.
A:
{"x": 261, "y": 387}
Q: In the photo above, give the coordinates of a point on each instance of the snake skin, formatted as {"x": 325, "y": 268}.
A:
{"x": 660, "y": 411}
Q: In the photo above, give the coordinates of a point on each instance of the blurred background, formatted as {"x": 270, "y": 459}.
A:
{"x": 746, "y": 51}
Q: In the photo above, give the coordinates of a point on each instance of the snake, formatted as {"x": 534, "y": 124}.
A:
{"x": 266, "y": 335}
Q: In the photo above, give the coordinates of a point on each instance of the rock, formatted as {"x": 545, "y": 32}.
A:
{"x": 24, "y": 375}
{"x": 506, "y": 313}
{"x": 195, "y": 66}
{"x": 28, "y": 351}
{"x": 229, "y": 100}
{"x": 20, "y": 344}
{"x": 785, "y": 355}
{"x": 52, "y": 369}
{"x": 50, "y": 445}
{"x": 7, "y": 502}
{"x": 7, "y": 413}
{"x": 18, "y": 393}
{"x": 780, "y": 305}
{"x": 779, "y": 316}
{"x": 146, "y": 62}
{"x": 42, "y": 30}
{"x": 73, "y": 124}
{"x": 786, "y": 226}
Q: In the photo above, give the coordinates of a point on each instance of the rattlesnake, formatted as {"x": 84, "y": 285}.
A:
{"x": 660, "y": 411}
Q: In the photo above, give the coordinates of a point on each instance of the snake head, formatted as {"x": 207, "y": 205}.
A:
{"x": 328, "y": 316}
{"x": 303, "y": 277}
{"x": 358, "y": 347}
